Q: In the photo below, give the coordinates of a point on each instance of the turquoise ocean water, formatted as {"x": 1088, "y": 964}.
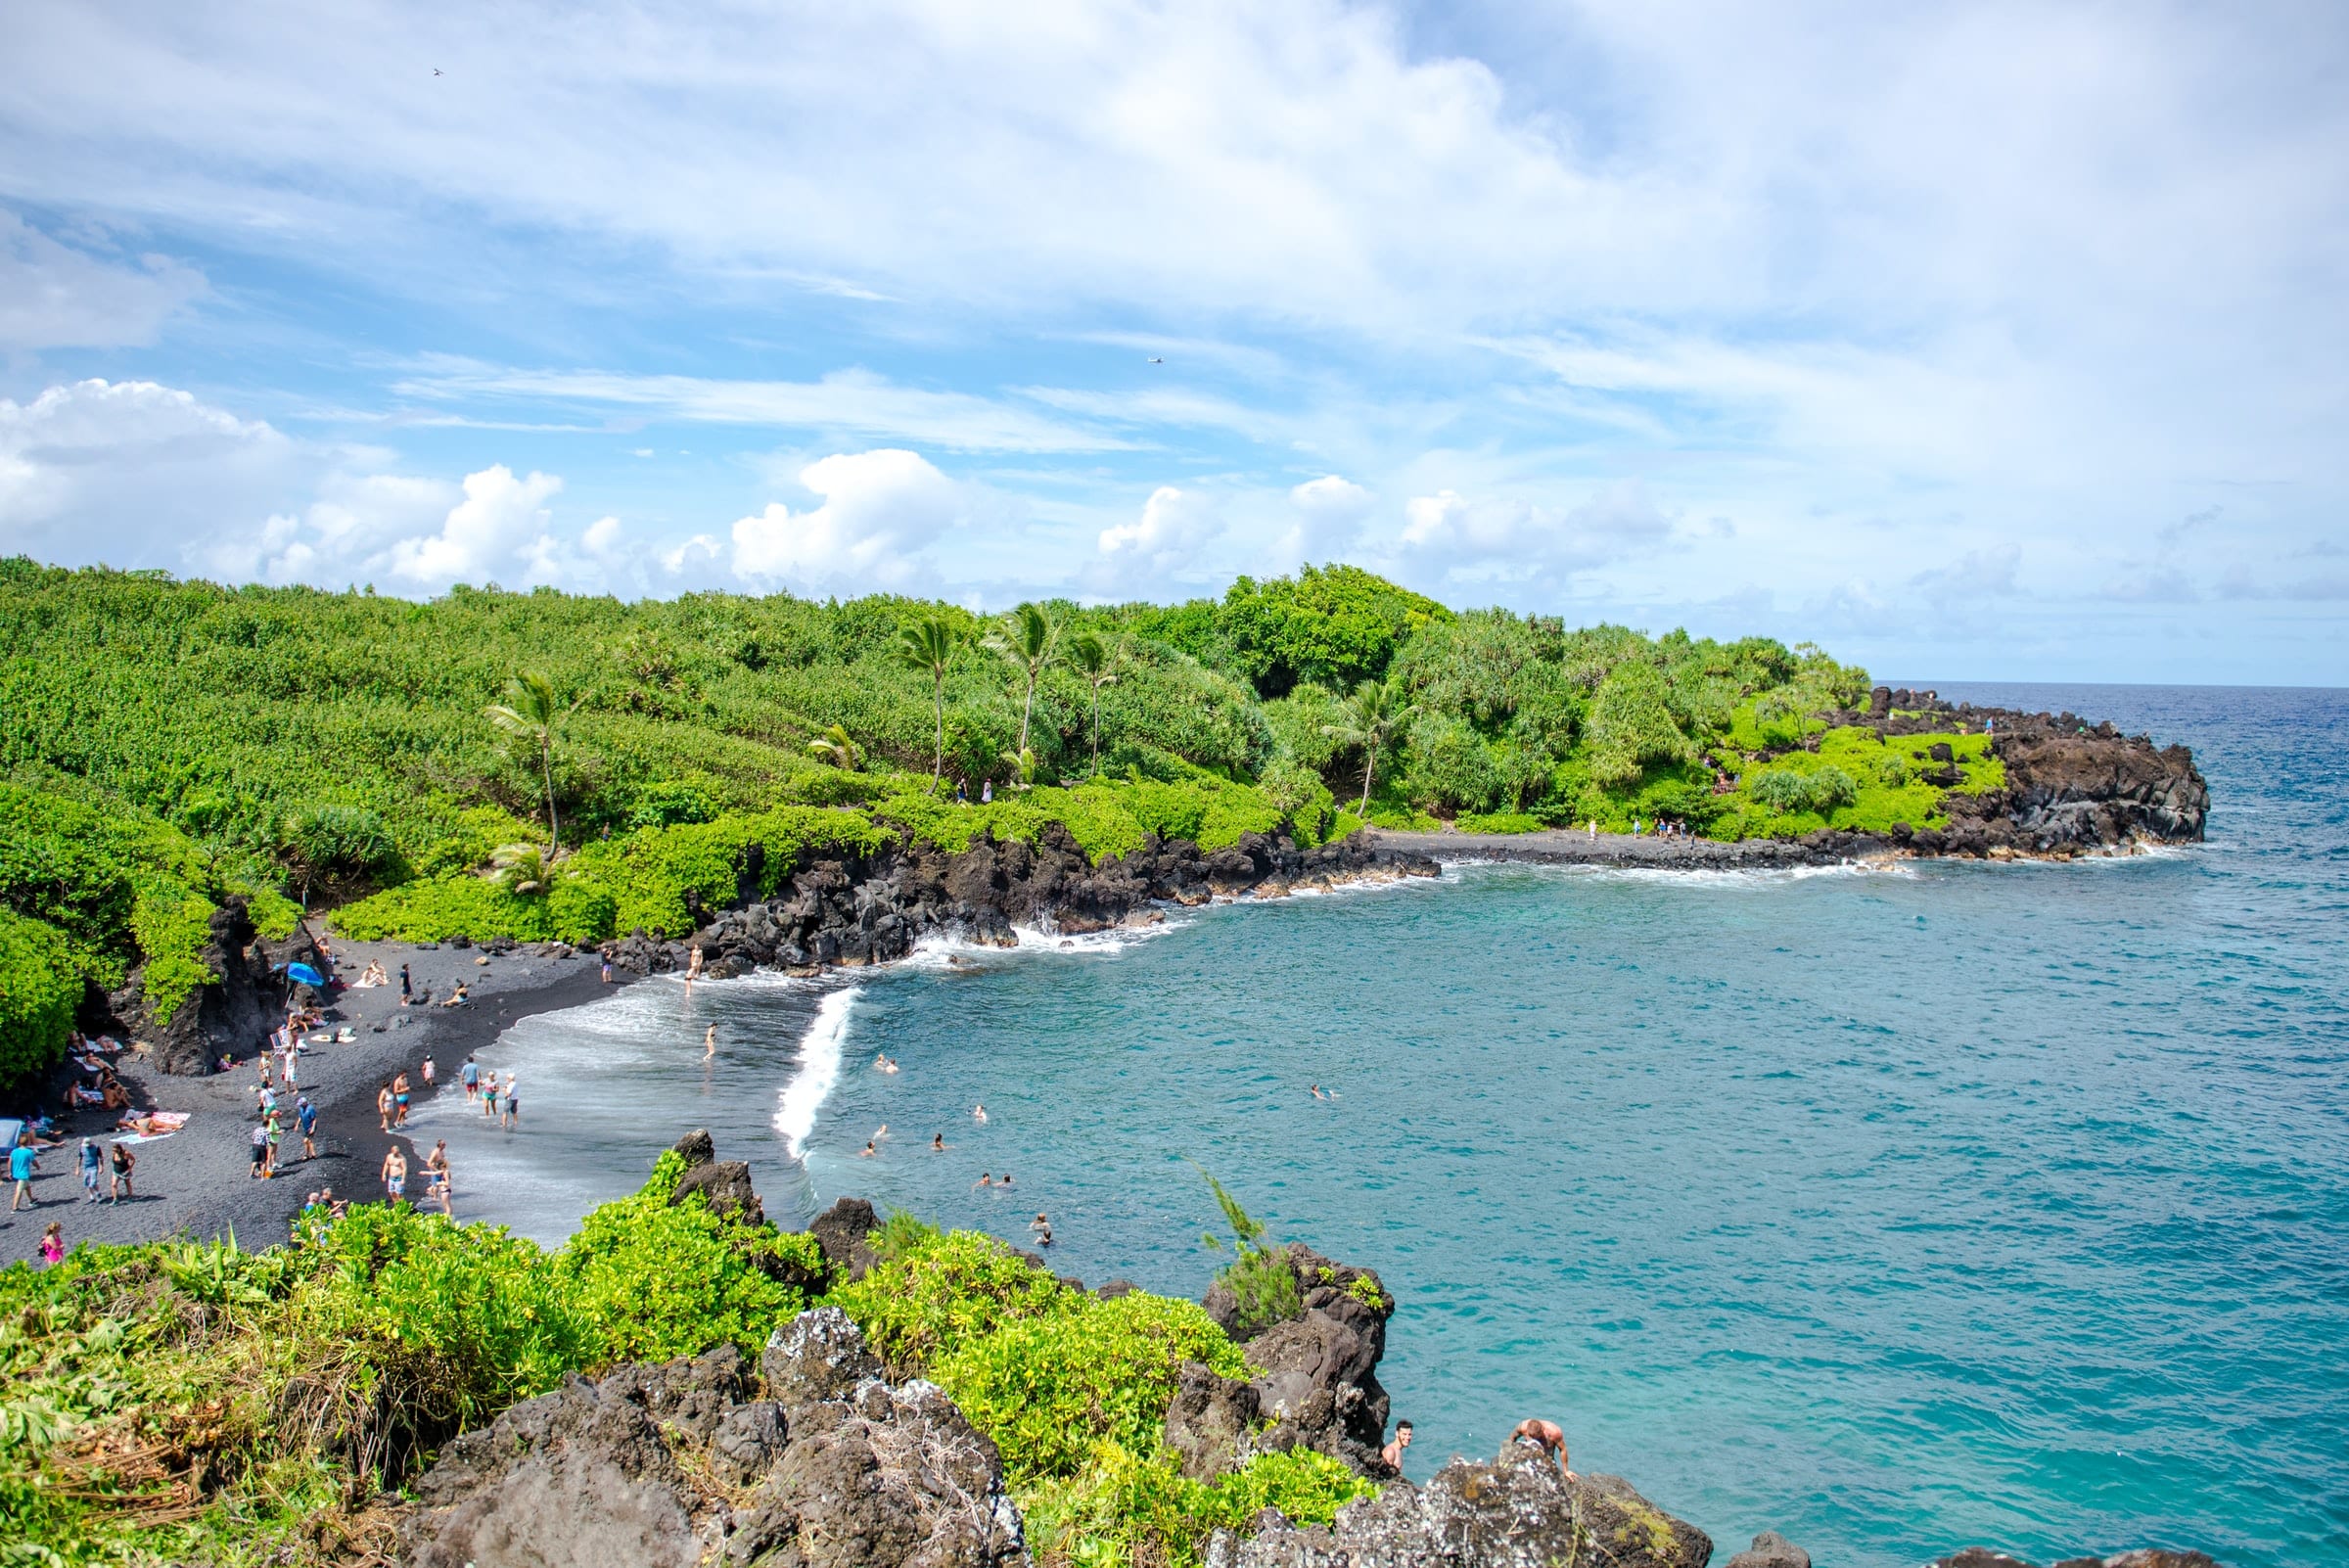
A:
{"x": 1900, "y": 1210}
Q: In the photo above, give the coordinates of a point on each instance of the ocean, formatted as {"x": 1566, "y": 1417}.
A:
{"x": 1898, "y": 1210}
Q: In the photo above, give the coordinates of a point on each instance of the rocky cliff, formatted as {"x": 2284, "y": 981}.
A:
{"x": 873, "y": 909}
{"x": 2072, "y": 787}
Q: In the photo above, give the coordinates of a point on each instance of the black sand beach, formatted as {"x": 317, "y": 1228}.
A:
{"x": 198, "y": 1180}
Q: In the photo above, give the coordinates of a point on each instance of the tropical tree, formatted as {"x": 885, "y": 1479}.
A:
{"x": 1372, "y": 715}
{"x": 929, "y": 644}
{"x": 533, "y": 711}
{"x": 525, "y": 870}
{"x": 1096, "y": 658}
{"x": 835, "y": 745}
{"x": 1026, "y": 639}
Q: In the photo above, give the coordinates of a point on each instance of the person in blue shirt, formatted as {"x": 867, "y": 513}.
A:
{"x": 306, "y": 1116}
{"x": 20, "y": 1161}
{"x": 91, "y": 1163}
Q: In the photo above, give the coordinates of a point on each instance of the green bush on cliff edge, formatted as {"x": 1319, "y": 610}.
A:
{"x": 192, "y": 1401}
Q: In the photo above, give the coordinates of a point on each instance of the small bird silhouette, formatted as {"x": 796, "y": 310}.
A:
{"x": 435, "y": 70}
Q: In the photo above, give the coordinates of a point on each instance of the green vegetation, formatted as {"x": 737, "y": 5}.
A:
{"x": 184, "y": 1402}
{"x": 169, "y": 743}
{"x": 1261, "y": 1283}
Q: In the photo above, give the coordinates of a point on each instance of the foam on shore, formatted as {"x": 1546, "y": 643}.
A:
{"x": 820, "y": 1050}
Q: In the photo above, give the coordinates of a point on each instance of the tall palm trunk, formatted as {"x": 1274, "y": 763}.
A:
{"x": 1027, "y": 708}
{"x": 546, "y": 770}
{"x": 1370, "y": 762}
{"x": 1096, "y": 729}
{"x": 938, "y": 758}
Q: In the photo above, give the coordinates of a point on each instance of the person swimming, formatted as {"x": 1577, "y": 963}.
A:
{"x": 985, "y": 1181}
{"x": 869, "y": 1151}
{"x": 938, "y": 1143}
{"x": 978, "y": 1113}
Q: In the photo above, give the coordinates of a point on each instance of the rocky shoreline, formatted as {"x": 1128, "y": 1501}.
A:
{"x": 817, "y": 1457}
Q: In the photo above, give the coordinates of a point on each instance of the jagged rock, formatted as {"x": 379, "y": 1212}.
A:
{"x": 818, "y": 1355}
{"x": 1770, "y": 1550}
{"x": 748, "y": 1438}
{"x": 690, "y": 1394}
{"x": 224, "y": 1015}
{"x": 570, "y": 1477}
{"x": 1210, "y": 1421}
{"x": 840, "y": 1231}
{"x": 726, "y": 1184}
{"x": 1519, "y": 1512}
{"x": 1316, "y": 1372}
{"x": 696, "y": 1147}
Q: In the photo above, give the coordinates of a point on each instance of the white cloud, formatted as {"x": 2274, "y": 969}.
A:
{"x": 133, "y": 474}
{"x": 849, "y": 402}
{"x": 1468, "y": 541}
{"x": 502, "y": 521}
{"x": 1161, "y": 545}
{"x": 601, "y": 537}
{"x": 53, "y": 295}
{"x": 1330, "y": 512}
{"x": 881, "y": 510}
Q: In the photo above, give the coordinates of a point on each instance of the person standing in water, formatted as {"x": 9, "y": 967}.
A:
{"x": 1393, "y": 1452}
{"x": 513, "y": 1105}
{"x": 710, "y": 1042}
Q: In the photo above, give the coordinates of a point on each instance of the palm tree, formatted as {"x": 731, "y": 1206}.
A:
{"x": 1025, "y": 640}
{"x": 532, "y": 711}
{"x": 1095, "y": 657}
{"x": 929, "y": 644}
{"x": 835, "y": 747}
{"x": 1372, "y": 716}
{"x": 525, "y": 870}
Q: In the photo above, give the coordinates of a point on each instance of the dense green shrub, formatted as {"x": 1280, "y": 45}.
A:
{"x": 1049, "y": 1387}
{"x": 946, "y": 1292}
{"x": 39, "y": 985}
{"x": 650, "y": 1279}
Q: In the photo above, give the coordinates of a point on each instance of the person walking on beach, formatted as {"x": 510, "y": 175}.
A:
{"x": 396, "y": 1174}
{"x": 429, "y": 1073}
{"x": 276, "y": 1130}
{"x": 20, "y": 1162}
{"x": 490, "y": 1095}
{"x": 53, "y": 1244}
{"x": 117, "y": 1185}
{"x": 407, "y": 988}
{"x": 470, "y": 1075}
{"x": 92, "y": 1162}
{"x": 606, "y": 967}
{"x": 399, "y": 1100}
{"x": 260, "y": 1149}
{"x": 305, "y": 1117}
{"x": 513, "y": 1106}
{"x": 382, "y": 1107}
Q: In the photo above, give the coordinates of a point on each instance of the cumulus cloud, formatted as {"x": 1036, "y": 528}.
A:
{"x": 134, "y": 474}
{"x": 881, "y": 510}
{"x": 53, "y": 296}
{"x": 1161, "y": 545}
{"x": 1329, "y": 514}
{"x": 1507, "y": 540}
{"x": 1973, "y": 578}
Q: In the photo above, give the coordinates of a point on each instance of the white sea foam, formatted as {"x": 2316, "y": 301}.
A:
{"x": 1742, "y": 877}
{"x": 819, "y": 1069}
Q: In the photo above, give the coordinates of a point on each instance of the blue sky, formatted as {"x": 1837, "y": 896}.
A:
{"x": 1994, "y": 342}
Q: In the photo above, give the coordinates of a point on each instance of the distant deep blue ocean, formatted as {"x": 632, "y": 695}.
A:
{"x": 1898, "y": 1211}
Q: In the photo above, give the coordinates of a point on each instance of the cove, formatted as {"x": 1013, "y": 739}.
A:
{"x": 1891, "y": 1209}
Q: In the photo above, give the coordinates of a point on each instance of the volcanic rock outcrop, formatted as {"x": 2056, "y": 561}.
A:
{"x": 874, "y": 909}
{"x": 809, "y": 1461}
{"x": 1519, "y": 1511}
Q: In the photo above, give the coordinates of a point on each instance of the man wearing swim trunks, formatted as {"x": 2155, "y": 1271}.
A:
{"x": 396, "y": 1174}
{"x": 1536, "y": 1433}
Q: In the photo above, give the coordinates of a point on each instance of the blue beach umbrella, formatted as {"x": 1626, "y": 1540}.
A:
{"x": 305, "y": 974}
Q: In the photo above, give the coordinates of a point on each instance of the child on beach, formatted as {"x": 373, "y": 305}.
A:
{"x": 53, "y": 1244}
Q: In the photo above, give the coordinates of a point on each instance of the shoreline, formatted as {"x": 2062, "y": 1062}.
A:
{"x": 197, "y": 1181}
{"x": 1575, "y": 847}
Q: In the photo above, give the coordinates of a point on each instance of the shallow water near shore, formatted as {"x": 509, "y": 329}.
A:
{"x": 1898, "y": 1210}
